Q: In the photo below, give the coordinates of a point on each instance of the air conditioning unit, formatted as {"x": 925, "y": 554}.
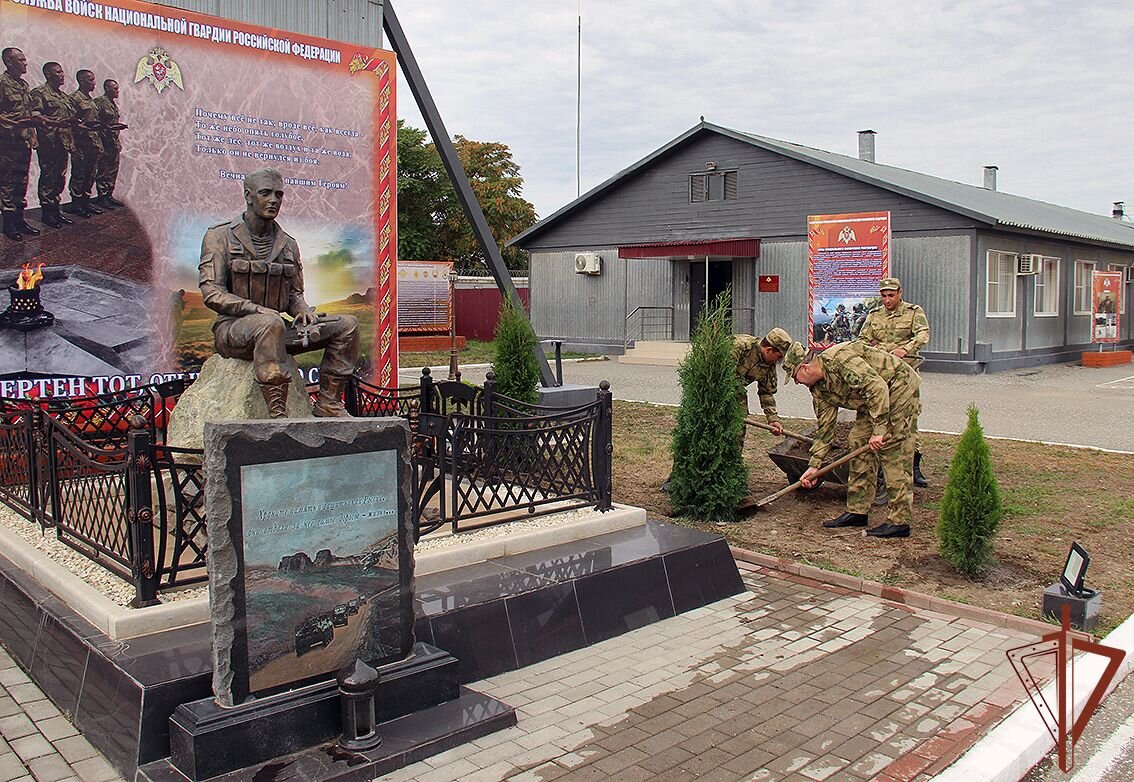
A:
{"x": 1028, "y": 264}
{"x": 588, "y": 263}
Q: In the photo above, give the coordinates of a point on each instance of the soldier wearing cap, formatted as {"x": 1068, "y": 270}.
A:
{"x": 756, "y": 360}
{"x": 902, "y": 329}
{"x": 883, "y": 391}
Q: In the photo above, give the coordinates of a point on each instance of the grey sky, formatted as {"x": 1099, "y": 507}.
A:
{"x": 1043, "y": 90}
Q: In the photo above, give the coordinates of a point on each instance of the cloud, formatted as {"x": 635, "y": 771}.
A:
{"x": 1038, "y": 88}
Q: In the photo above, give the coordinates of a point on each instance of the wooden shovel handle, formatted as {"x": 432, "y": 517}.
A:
{"x": 761, "y": 425}
{"x": 822, "y": 471}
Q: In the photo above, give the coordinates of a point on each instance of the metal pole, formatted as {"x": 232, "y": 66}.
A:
{"x": 579, "y": 103}
{"x": 433, "y": 122}
{"x": 454, "y": 371}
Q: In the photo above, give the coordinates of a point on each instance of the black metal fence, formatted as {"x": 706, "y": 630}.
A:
{"x": 98, "y": 473}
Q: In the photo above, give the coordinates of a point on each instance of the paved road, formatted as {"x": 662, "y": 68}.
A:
{"x": 1060, "y": 403}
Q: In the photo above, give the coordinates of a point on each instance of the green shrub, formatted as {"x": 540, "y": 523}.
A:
{"x": 971, "y": 507}
{"x": 709, "y": 476}
{"x": 513, "y": 356}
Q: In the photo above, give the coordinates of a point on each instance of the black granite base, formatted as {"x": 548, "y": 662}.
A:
{"x": 405, "y": 740}
{"x": 493, "y": 616}
{"x": 206, "y": 740}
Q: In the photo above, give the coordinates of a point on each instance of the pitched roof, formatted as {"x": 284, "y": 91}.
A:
{"x": 993, "y": 207}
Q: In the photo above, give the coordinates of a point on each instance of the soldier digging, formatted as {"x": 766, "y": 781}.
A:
{"x": 17, "y": 140}
{"x": 53, "y": 111}
{"x": 250, "y": 275}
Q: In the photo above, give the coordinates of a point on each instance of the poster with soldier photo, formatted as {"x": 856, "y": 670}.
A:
{"x": 1106, "y": 288}
{"x": 126, "y": 130}
{"x": 847, "y": 254}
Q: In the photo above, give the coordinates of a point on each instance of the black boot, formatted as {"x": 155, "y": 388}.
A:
{"x": 50, "y": 216}
{"x": 23, "y": 226}
{"x": 881, "y": 496}
{"x": 75, "y": 207}
{"x": 62, "y": 217}
{"x": 90, "y": 208}
{"x": 918, "y": 479}
{"x": 114, "y": 202}
{"x": 889, "y": 530}
{"x": 10, "y": 229}
{"x": 104, "y": 202}
{"x": 846, "y": 520}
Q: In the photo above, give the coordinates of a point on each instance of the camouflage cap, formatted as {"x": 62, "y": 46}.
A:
{"x": 890, "y": 284}
{"x": 793, "y": 357}
{"x": 779, "y": 339}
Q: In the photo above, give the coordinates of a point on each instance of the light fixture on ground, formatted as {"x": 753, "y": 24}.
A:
{"x": 1070, "y": 591}
{"x": 358, "y": 682}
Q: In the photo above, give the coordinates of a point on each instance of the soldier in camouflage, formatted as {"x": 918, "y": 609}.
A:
{"x": 17, "y": 140}
{"x": 883, "y": 391}
{"x": 52, "y": 107}
{"x": 900, "y": 328}
{"x": 88, "y": 145}
{"x": 110, "y": 122}
{"x": 756, "y": 360}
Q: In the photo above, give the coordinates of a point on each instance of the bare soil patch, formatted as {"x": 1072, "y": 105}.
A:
{"x": 1053, "y": 495}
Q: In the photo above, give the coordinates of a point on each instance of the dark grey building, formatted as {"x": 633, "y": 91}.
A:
{"x": 1005, "y": 280}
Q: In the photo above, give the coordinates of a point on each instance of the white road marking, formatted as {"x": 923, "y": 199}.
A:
{"x": 1120, "y": 383}
{"x": 1107, "y": 754}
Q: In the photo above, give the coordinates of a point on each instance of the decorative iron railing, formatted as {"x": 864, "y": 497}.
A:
{"x": 98, "y": 473}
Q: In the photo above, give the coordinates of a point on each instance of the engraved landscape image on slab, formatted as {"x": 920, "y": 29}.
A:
{"x": 320, "y": 563}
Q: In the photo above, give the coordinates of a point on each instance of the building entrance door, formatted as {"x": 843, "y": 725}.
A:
{"x": 707, "y": 280}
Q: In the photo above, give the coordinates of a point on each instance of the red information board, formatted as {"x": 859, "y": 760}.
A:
{"x": 847, "y": 255}
{"x": 1106, "y": 289}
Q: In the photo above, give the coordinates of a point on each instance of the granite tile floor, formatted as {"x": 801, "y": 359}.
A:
{"x": 792, "y": 680}
{"x": 37, "y": 741}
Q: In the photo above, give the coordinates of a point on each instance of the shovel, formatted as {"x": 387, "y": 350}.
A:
{"x": 792, "y": 487}
{"x": 761, "y": 425}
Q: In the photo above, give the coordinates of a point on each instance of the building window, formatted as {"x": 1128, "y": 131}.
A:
{"x": 1083, "y": 270}
{"x": 712, "y": 186}
{"x": 1047, "y": 287}
{"x": 1000, "y": 293}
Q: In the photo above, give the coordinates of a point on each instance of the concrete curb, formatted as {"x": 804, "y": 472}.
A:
{"x": 894, "y": 594}
{"x": 1021, "y": 740}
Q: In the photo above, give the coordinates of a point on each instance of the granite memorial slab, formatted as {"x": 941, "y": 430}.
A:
{"x": 310, "y": 550}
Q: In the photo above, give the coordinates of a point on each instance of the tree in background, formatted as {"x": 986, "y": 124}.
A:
{"x": 971, "y": 507}
{"x": 431, "y": 223}
{"x": 513, "y": 356}
{"x": 709, "y": 476}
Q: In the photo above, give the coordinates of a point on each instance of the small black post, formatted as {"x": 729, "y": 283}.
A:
{"x": 558, "y": 343}
{"x": 31, "y": 436}
{"x": 603, "y": 448}
{"x": 488, "y": 395}
{"x": 427, "y": 404}
{"x": 139, "y": 513}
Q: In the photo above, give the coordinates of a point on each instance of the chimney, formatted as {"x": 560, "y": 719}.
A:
{"x": 866, "y": 145}
{"x": 990, "y": 177}
{"x": 1119, "y": 211}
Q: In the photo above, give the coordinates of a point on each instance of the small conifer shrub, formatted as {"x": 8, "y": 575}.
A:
{"x": 971, "y": 507}
{"x": 709, "y": 476}
{"x": 513, "y": 356}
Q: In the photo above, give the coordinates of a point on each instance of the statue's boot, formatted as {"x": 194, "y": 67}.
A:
{"x": 329, "y": 403}
{"x": 275, "y": 394}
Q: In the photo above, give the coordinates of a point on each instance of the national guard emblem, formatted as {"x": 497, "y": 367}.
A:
{"x": 846, "y": 236}
{"x": 159, "y": 69}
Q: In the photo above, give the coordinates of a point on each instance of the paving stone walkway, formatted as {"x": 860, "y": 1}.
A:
{"x": 37, "y": 741}
{"x": 793, "y": 680}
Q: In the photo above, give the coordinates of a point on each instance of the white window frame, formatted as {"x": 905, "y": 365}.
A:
{"x": 992, "y": 287}
{"x": 1083, "y": 287}
{"x": 1117, "y": 267}
{"x": 1047, "y": 289}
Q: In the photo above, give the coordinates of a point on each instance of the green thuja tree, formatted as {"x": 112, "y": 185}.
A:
{"x": 971, "y": 507}
{"x": 709, "y": 476}
{"x": 513, "y": 355}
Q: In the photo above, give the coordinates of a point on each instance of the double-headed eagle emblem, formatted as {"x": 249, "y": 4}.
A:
{"x": 159, "y": 69}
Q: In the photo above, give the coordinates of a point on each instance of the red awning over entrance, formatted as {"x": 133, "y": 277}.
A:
{"x": 739, "y": 248}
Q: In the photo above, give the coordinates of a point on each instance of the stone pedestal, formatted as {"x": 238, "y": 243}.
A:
{"x": 1084, "y": 610}
{"x": 567, "y": 395}
{"x": 226, "y": 390}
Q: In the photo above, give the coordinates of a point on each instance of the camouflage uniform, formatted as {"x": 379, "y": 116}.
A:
{"x": 15, "y": 142}
{"x": 55, "y": 143}
{"x": 906, "y": 327}
{"x": 751, "y": 368}
{"x": 88, "y": 145}
{"x": 107, "y": 172}
{"x": 883, "y": 390}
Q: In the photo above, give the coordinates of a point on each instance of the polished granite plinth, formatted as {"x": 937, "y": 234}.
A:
{"x": 492, "y": 616}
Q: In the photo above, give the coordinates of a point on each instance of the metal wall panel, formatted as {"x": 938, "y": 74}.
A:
{"x": 934, "y": 271}
{"x": 353, "y": 21}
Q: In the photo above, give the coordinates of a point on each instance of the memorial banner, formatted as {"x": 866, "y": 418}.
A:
{"x": 201, "y": 101}
{"x": 847, "y": 255}
{"x": 425, "y": 296}
{"x": 1106, "y": 288}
